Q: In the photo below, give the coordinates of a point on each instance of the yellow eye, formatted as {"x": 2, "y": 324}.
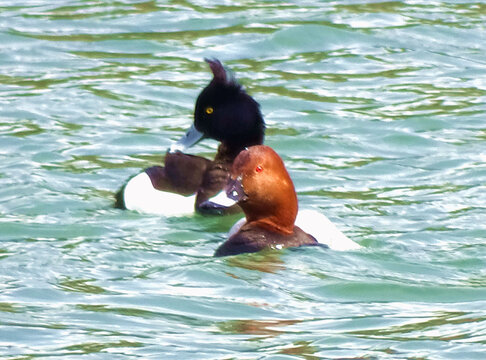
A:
{"x": 209, "y": 110}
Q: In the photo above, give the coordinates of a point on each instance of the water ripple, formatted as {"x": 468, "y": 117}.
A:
{"x": 377, "y": 109}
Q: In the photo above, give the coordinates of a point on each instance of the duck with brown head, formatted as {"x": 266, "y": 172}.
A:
{"x": 263, "y": 188}
{"x": 261, "y": 185}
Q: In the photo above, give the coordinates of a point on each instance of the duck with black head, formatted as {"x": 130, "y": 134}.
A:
{"x": 223, "y": 112}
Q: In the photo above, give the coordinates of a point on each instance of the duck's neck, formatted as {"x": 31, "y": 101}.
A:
{"x": 275, "y": 225}
{"x": 227, "y": 153}
{"x": 280, "y": 219}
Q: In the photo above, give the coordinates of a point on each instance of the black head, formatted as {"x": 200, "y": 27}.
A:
{"x": 225, "y": 112}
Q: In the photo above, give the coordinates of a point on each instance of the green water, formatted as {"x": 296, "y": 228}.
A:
{"x": 379, "y": 112}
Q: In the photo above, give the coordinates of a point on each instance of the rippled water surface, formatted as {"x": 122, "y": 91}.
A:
{"x": 379, "y": 112}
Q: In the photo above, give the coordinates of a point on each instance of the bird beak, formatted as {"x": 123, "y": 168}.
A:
{"x": 191, "y": 137}
{"x": 234, "y": 190}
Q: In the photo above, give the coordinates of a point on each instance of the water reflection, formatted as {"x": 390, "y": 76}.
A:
{"x": 98, "y": 347}
{"x": 81, "y": 285}
{"x": 303, "y": 349}
{"x": 260, "y": 330}
{"x": 267, "y": 328}
{"x": 21, "y": 128}
{"x": 450, "y": 325}
{"x": 268, "y": 261}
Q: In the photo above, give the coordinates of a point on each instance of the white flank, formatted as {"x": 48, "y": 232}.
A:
{"x": 141, "y": 196}
{"x": 324, "y": 230}
{"x": 236, "y": 227}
